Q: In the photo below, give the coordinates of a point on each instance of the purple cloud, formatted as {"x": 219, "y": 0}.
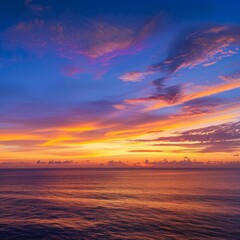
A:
{"x": 219, "y": 138}
{"x": 170, "y": 95}
{"x": 97, "y": 38}
{"x": 201, "y": 106}
{"x": 189, "y": 163}
{"x": 205, "y": 47}
{"x": 114, "y": 164}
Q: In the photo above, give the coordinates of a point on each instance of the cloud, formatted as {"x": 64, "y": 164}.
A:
{"x": 228, "y": 83}
{"x": 119, "y": 106}
{"x": 60, "y": 162}
{"x": 71, "y": 70}
{"x": 114, "y": 164}
{"x": 209, "y": 64}
{"x": 218, "y": 138}
{"x": 55, "y": 162}
{"x": 11, "y": 163}
{"x": 19, "y": 145}
{"x": 170, "y": 95}
{"x": 144, "y": 151}
{"x": 97, "y": 38}
{"x": 200, "y": 106}
{"x": 204, "y": 101}
{"x": 226, "y": 131}
{"x": 231, "y": 78}
{"x": 27, "y": 115}
{"x": 188, "y": 163}
{"x": 35, "y": 8}
{"x": 204, "y": 46}
{"x": 134, "y": 76}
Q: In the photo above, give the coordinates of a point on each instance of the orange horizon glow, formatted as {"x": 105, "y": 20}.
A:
{"x": 99, "y": 91}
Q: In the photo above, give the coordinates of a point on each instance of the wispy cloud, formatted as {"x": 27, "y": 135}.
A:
{"x": 201, "y": 106}
{"x": 204, "y": 46}
{"x": 229, "y": 82}
{"x": 71, "y": 70}
{"x": 170, "y": 95}
{"x": 188, "y": 163}
{"x": 97, "y": 38}
{"x": 218, "y": 138}
{"x": 134, "y": 76}
{"x": 144, "y": 151}
{"x": 198, "y": 47}
{"x": 35, "y": 8}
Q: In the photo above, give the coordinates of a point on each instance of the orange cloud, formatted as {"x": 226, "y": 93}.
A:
{"x": 204, "y": 92}
{"x": 134, "y": 76}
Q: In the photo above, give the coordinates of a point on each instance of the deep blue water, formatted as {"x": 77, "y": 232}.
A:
{"x": 119, "y": 204}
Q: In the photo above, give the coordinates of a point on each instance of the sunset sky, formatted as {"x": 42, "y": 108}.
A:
{"x": 115, "y": 83}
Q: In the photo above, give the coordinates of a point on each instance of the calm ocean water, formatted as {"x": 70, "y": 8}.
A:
{"x": 119, "y": 204}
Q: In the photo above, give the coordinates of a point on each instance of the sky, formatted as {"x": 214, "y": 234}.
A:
{"x": 119, "y": 83}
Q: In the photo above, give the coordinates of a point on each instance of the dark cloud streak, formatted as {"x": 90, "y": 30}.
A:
{"x": 197, "y": 47}
{"x": 218, "y": 138}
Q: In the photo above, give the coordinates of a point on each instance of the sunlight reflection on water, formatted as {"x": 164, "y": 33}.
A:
{"x": 119, "y": 204}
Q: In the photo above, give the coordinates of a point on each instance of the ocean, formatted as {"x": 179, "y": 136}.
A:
{"x": 119, "y": 204}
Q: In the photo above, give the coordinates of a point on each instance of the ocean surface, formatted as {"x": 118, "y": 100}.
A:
{"x": 119, "y": 204}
